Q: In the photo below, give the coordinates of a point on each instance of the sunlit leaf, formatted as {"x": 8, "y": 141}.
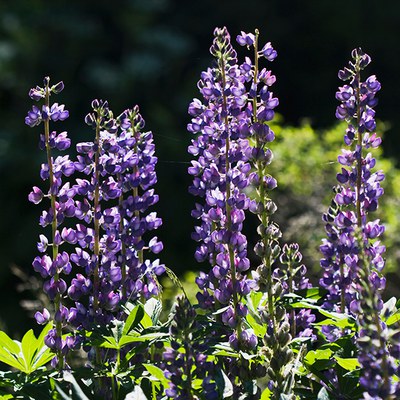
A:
{"x": 259, "y": 329}
{"x": 349, "y": 364}
{"x": 9, "y": 344}
{"x": 134, "y": 318}
{"x": 157, "y": 373}
{"x": 153, "y": 309}
{"x": 393, "y": 318}
{"x": 266, "y": 394}
{"x": 29, "y": 348}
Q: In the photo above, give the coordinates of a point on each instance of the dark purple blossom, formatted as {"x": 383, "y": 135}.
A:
{"x": 220, "y": 174}
{"x": 119, "y": 170}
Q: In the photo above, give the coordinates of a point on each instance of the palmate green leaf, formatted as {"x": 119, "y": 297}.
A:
{"x": 141, "y": 338}
{"x": 341, "y": 323}
{"x": 393, "y": 319}
{"x": 146, "y": 321}
{"x": 224, "y": 350}
{"x": 8, "y": 344}
{"x": 157, "y": 373}
{"x": 29, "y": 347}
{"x": 349, "y": 364}
{"x": 266, "y": 394}
{"x": 29, "y": 354}
{"x": 304, "y": 304}
{"x": 320, "y": 354}
{"x": 259, "y": 329}
{"x": 318, "y": 359}
{"x": 10, "y": 352}
{"x": 313, "y": 293}
{"x": 117, "y": 329}
{"x": 109, "y": 342}
{"x": 134, "y": 318}
{"x": 390, "y": 308}
{"x": 340, "y": 317}
{"x": 255, "y": 299}
{"x": 153, "y": 308}
{"x": 42, "y": 357}
{"x": 13, "y": 360}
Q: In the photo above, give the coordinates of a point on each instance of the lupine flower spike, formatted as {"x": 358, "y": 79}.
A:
{"x": 220, "y": 177}
{"x": 353, "y": 252}
{"x": 55, "y": 265}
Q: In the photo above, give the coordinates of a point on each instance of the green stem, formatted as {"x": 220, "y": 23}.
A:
{"x": 57, "y": 300}
{"x": 188, "y": 368}
{"x": 384, "y": 348}
{"x": 96, "y": 219}
{"x": 114, "y": 389}
{"x": 292, "y": 312}
{"x": 123, "y": 246}
{"x": 365, "y": 264}
{"x": 359, "y": 158}
{"x": 262, "y": 193}
{"x": 342, "y": 293}
{"x": 137, "y": 215}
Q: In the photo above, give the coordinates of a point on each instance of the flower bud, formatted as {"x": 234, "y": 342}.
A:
{"x": 59, "y": 87}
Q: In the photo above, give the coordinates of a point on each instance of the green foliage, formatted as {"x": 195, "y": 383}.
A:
{"x": 28, "y": 355}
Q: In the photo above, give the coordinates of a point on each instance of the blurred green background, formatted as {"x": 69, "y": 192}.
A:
{"x": 151, "y": 53}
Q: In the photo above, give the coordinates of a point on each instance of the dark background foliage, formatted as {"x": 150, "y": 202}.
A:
{"x": 151, "y": 52}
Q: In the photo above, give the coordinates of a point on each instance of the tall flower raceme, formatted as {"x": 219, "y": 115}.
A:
{"x": 54, "y": 264}
{"x": 358, "y": 191}
{"x": 120, "y": 165}
{"x": 353, "y": 252}
{"x": 220, "y": 177}
{"x": 260, "y": 110}
{"x": 137, "y": 179}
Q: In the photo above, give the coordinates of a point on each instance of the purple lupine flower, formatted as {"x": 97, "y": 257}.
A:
{"x": 53, "y": 267}
{"x": 34, "y": 117}
{"x": 220, "y": 176}
{"x": 245, "y": 39}
{"x": 352, "y": 254}
{"x": 42, "y": 317}
{"x": 358, "y": 191}
{"x": 114, "y": 196}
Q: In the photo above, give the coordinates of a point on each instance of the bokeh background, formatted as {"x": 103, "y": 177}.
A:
{"x": 151, "y": 53}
